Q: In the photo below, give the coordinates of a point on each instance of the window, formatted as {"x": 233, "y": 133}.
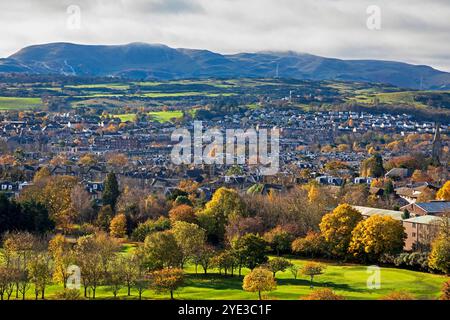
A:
{"x": 414, "y": 225}
{"x": 413, "y": 234}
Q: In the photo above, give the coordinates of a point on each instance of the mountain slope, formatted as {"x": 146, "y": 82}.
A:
{"x": 142, "y": 61}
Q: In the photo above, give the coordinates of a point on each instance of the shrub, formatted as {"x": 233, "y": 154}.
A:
{"x": 323, "y": 294}
{"x": 398, "y": 295}
{"x": 446, "y": 291}
{"x": 68, "y": 294}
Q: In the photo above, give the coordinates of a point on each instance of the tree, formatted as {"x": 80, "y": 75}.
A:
{"x": 278, "y": 264}
{"x": 376, "y": 236}
{"x": 63, "y": 257}
{"x": 204, "y": 257}
{"x": 439, "y": 258}
{"x": 40, "y": 272}
{"x": 225, "y": 261}
{"x": 312, "y": 245}
{"x": 18, "y": 249}
{"x": 224, "y": 204}
{"x": 131, "y": 270}
{"x": 294, "y": 269}
{"x": 337, "y": 227}
{"x": 81, "y": 204}
{"x": 38, "y": 216}
{"x": 279, "y": 240}
{"x": 373, "y": 167}
{"x": 111, "y": 191}
{"x": 118, "y": 226}
{"x": 104, "y": 217}
{"x": 93, "y": 255}
{"x": 251, "y": 250}
{"x": 259, "y": 280}
{"x": 7, "y": 282}
{"x": 398, "y": 295}
{"x": 444, "y": 192}
{"x": 312, "y": 269}
{"x": 190, "y": 237}
{"x": 323, "y": 294}
{"x": 167, "y": 280}
{"x": 182, "y": 213}
{"x": 116, "y": 275}
{"x": 161, "y": 250}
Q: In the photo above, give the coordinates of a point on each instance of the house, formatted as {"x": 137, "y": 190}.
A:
{"x": 436, "y": 208}
{"x": 362, "y": 180}
{"x": 369, "y": 211}
{"x": 421, "y": 231}
{"x": 329, "y": 180}
{"x": 411, "y": 193}
{"x": 397, "y": 173}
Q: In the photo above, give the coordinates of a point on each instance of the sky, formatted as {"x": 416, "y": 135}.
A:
{"x": 413, "y": 31}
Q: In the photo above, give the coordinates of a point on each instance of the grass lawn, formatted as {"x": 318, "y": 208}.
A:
{"x": 15, "y": 103}
{"x": 160, "y": 116}
{"x": 347, "y": 280}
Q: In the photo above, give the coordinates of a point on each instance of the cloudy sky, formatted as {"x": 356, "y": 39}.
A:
{"x": 414, "y": 31}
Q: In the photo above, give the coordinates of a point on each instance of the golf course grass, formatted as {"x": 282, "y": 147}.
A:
{"x": 348, "y": 280}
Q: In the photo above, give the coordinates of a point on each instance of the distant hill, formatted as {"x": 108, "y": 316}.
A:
{"x": 155, "y": 61}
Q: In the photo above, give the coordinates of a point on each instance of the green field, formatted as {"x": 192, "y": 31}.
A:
{"x": 13, "y": 103}
{"x": 160, "y": 116}
{"x": 347, "y": 280}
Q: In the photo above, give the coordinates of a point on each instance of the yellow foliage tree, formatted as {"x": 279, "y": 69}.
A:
{"x": 118, "y": 226}
{"x": 337, "y": 227}
{"x": 377, "y": 235}
{"x": 444, "y": 192}
{"x": 259, "y": 280}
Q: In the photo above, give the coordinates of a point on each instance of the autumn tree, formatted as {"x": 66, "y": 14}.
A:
{"x": 224, "y": 204}
{"x": 40, "y": 272}
{"x": 63, "y": 257}
{"x": 278, "y": 264}
{"x": 225, "y": 261}
{"x": 312, "y": 245}
{"x": 203, "y": 257}
{"x": 167, "y": 280}
{"x": 259, "y": 280}
{"x": 118, "y": 226}
{"x": 104, "y": 217}
{"x": 444, "y": 192}
{"x": 182, "y": 213}
{"x": 190, "y": 237}
{"x": 279, "y": 240}
{"x": 337, "y": 227}
{"x": 116, "y": 274}
{"x": 251, "y": 251}
{"x": 373, "y": 167}
{"x": 439, "y": 258}
{"x": 375, "y": 236}
{"x": 93, "y": 255}
{"x": 161, "y": 250}
{"x": 312, "y": 269}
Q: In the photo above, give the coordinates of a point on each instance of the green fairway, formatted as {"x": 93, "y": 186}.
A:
{"x": 347, "y": 280}
{"x": 13, "y": 103}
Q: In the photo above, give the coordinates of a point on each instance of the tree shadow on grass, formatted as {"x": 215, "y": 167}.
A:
{"x": 215, "y": 281}
{"x": 318, "y": 284}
